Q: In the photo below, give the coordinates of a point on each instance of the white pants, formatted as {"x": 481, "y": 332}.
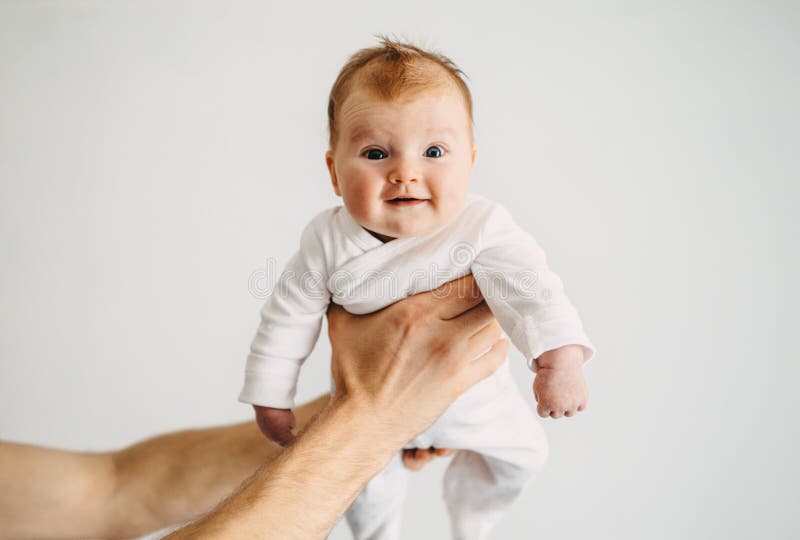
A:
{"x": 500, "y": 446}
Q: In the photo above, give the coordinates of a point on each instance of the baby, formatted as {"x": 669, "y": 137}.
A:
{"x": 401, "y": 157}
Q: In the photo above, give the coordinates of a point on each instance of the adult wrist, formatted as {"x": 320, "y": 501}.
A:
{"x": 370, "y": 424}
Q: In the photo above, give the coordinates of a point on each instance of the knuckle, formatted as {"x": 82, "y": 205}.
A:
{"x": 494, "y": 325}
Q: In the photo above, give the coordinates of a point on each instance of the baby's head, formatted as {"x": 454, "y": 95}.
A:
{"x": 401, "y": 147}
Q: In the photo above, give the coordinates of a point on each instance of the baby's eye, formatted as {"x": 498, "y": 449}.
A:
{"x": 374, "y": 153}
{"x": 434, "y": 152}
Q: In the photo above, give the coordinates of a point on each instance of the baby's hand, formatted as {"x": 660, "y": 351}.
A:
{"x": 559, "y": 386}
{"x": 276, "y": 424}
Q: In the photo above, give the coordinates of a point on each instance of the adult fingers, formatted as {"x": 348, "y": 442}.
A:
{"x": 484, "y": 337}
{"x": 410, "y": 462}
{"x": 415, "y": 458}
{"x": 453, "y": 298}
{"x": 472, "y": 320}
{"x": 482, "y": 367}
{"x": 336, "y": 314}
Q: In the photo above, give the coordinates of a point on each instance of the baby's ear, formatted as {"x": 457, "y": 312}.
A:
{"x": 332, "y": 171}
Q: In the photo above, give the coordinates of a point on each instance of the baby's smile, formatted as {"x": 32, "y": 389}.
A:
{"x": 405, "y": 198}
{"x": 406, "y": 202}
{"x": 403, "y": 167}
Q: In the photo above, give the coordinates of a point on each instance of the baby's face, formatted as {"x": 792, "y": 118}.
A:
{"x": 402, "y": 167}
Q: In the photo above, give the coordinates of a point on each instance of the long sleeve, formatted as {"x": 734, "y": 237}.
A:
{"x": 526, "y": 297}
{"x": 290, "y": 324}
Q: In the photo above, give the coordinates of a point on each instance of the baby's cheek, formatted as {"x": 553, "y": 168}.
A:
{"x": 360, "y": 206}
{"x": 353, "y": 196}
{"x": 368, "y": 200}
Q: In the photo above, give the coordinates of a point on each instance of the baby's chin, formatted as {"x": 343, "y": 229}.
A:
{"x": 413, "y": 225}
{"x": 387, "y": 234}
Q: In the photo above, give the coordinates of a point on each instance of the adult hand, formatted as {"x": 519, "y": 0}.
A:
{"x": 394, "y": 373}
{"x": 408, "y": 362}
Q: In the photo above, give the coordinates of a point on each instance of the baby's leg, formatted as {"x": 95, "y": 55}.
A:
{"x": 478, "y": 490}
{"x": 499, "y": 457}
{"x": 376, "y": 513}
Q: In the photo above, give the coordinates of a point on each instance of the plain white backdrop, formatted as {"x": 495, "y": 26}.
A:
{"x": 154, "y": 155}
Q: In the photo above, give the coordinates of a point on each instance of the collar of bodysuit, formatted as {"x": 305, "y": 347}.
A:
{"x": 357, "y": 233}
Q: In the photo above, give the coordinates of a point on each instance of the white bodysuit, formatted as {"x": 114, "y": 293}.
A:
{"x": 500, "y": 442}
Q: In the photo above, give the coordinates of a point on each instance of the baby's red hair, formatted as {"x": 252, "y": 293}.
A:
{"x": 391, "y": 70}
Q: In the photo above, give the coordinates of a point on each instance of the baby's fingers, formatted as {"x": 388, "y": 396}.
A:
{"x": 284, "y": 438}
{"x": 276, "y": 424}
{"x": 542, "y": 409}
{"x": 280, "y": 434}
{"x": 283, "y": 427}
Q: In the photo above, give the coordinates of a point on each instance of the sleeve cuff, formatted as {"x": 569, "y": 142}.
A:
{"x": 534, "y": 338}
{"x": 270, "y": 382}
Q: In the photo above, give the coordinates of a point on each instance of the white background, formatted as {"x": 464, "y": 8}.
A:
{"x": 153, "y": 155}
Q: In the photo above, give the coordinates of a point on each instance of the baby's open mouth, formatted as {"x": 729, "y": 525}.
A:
{"x": 405, "y": 201}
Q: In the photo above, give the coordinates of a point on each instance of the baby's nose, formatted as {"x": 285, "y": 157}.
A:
{"x": 403, "y": 172}
{"x": 400, "y": 179}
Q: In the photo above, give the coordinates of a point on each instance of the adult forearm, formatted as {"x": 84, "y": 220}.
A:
{"x": 173, "y": 478}
{"x": 178, "y": 477}
{"x": 317, "y": 478}
{"x": 168, "y": 479}
{"x": 50, "y": 493}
